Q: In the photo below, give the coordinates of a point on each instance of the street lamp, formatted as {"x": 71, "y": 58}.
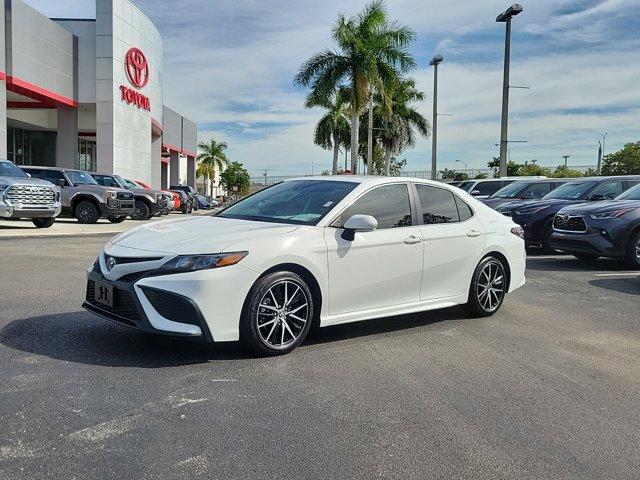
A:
{"x": 505, "y": 17}
{"x": 434, "y": 132}
{"x": 466, "y": 167}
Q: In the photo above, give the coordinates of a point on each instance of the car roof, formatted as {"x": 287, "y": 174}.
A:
{"x": 368, "y": 180}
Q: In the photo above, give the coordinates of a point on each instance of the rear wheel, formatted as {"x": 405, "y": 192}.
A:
{"x": 632, "y": 258}
{"x": 43, "y": 222}
{"x": 488, "y": 288}
{"x": 87, "y": 212}
{"x": 140, "y": 211}
{"x": 278, "y": 314}
{"x": 117, "y": 219}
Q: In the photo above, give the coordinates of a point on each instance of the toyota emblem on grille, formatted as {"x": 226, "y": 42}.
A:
{"x": 564, "y": 217}
{"x": 111, "y": 262}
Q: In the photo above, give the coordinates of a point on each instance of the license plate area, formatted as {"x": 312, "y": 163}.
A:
{"x": 104, "y": 294}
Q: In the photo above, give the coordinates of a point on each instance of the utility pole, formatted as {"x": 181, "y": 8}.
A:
{"x": 434, "y": 126}
{"x": 370, "y": 135}
{"x": 566, "y": 157}
{"x": 505, "y": 17}
{"x": 265, "y": 176}
{"x": 599, "y": 157}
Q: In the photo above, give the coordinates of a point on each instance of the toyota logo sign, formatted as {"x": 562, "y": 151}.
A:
{"x": 137, "y": 67}
{"x": 111, "y": 262}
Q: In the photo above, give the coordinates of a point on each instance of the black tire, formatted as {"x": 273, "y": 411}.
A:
{"x": 632, "y": 257}
{"x": 478, "y": 304}
{"x": 43, "y": 222}
{"x": 140, "y": 211}
{"x": 546, "y": 239}
{"x": 184, "y": 208}
{"x": 87, "y": 212}
{"x": 291, "y": 328}
{"x": 117, "y": 219}
{"x": 586, "y": 257}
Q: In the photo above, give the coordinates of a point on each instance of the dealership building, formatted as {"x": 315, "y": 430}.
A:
{"x": 87, "y": 93}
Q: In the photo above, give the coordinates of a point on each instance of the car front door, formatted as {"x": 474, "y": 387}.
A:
{"x": 453, "y": 241}
{"x": 380, "y": 268}
{"x": 66, "y": 192}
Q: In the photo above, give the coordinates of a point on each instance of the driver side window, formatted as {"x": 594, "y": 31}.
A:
{"x": 388, "y": 204}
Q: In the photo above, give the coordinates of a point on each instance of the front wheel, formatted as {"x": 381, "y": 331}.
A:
{"x": 488, "y": 288}
{"x": 43, "y": 222}
{"x": 632, "y": 257}
{"x": 117, "y": 219}
{"x": 140, "y": 211}
{"x": 87, "y": 212}
{"x": 277, "y": 314}
{"x": 546, "y": 239}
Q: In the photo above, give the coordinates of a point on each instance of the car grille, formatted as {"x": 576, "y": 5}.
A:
{"x": 133, "y": 277}
{"x": 31, "y": 196}
{"x": 124, "y": 306}
{"x": 569, "y": 223}
{"x": 125, "y": 196}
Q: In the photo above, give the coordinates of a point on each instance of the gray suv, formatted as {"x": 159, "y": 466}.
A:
{"x": 148, "y": 203}
{"x": 24, "y": 197}
{"x": 83, "y": 198}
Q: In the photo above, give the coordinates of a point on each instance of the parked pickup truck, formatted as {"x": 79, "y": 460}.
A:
{"x": 82, "y": 197}
{"x": 148, "y": 203}
{"x": 24, "y": 197}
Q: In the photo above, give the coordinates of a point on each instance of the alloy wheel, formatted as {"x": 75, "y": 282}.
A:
{"x": 490, "y": 286}
{"x": 282, "y": 314}
{"x": 638, "y": 250}
{"x": 85, "y": 213}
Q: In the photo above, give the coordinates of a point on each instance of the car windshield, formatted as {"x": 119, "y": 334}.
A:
{"x": 465, "y": 185}
{"x": 570, "y": 191}
{"x": 8, "y": 169}
{"x": 78, "y": 177}
{"x": 631, "y": 194}
{"x": 127, "y": 183}
{"x": 302, "y": 202}
{"x": 511, "y": 190}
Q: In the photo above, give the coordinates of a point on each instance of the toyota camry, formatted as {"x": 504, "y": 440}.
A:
{"x": 309, "y": 251}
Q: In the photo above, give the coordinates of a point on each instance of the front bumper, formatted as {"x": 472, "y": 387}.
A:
{"x": 204, "y": 305}
{"x": 595, "y": 243}
{"x": 8, "y": 210}
{"x": 117, "y": 208}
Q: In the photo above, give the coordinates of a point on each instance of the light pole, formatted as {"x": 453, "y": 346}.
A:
{"x": 601, "y": 156}
{"x": 505, "y": 17}
{"x": 566, "y": 157}
{"x": 434, "y": 131}
{"x": 466, "y": 167}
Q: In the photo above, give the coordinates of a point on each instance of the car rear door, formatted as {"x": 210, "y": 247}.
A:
{"x": 380, "y": 268}
{"x": 453, "y": 241}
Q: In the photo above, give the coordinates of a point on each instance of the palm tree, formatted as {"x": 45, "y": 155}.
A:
{"x": 371, "y": 53}
{"x": 333, "y": 128}
{"x": 398, "y": 118}
{"x": 212, "y": 158}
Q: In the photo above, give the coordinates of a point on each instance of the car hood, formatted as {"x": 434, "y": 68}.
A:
{"x": 559, "y": 203}
{"x": 99, "y": 189}
{"x": 494, "y": 202}
{"x": 193, "y": 235}
{"x": 597, "y": 207}
{"x": 24, "y": 181}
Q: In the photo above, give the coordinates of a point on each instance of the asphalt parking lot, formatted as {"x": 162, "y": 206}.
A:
{"x": 547, "y": 388}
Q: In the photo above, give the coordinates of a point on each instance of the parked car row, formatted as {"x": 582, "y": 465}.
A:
{"x": 587, "y": 217}
{"x": 43, "y": 193}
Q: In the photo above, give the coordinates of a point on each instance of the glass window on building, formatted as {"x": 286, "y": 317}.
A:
{"x": 86, "y": 155}
{"x": 27, "y": 147}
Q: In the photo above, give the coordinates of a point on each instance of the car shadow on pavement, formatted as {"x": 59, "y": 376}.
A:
{"x": 572, "y": 264}
{"x": 629, "y": 285}
{"x": 82, "y": 338}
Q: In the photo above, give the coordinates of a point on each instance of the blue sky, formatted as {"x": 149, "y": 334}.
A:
{"x": 229, "y": 66}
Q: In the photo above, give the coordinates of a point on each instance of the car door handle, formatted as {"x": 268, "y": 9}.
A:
{"x": 412, "y": 239}
{"x": 473, "y": 233}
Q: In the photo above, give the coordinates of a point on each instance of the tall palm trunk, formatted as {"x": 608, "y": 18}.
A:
{"x": 387, "y": 160}
{"x": 355, "y": 127}
{"x": 336, "y": 151}
{"x": 370, "y": 169}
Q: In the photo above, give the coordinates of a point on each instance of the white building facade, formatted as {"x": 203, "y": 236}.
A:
{"x": 87, "y": 93}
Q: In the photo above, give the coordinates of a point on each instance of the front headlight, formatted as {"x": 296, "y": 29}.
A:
{"x": 611, "y": 213}
{"x": 530, "y": 211}
{"x": 193, "y": 263}
{"x": 109, "y": 194}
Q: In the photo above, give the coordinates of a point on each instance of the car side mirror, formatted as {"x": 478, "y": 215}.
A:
{"x": 27, "y": 174}
{"x": 61, "y": 182}
{"x": 475, "y": 192}
{"x": 358, "y": 223}
{"x": 597, "y": 198}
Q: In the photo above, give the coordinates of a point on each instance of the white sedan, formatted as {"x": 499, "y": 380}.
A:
{"x": 309, "y": 251}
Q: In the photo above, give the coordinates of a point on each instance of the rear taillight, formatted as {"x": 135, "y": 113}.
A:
{"x": 518, "y": 232}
